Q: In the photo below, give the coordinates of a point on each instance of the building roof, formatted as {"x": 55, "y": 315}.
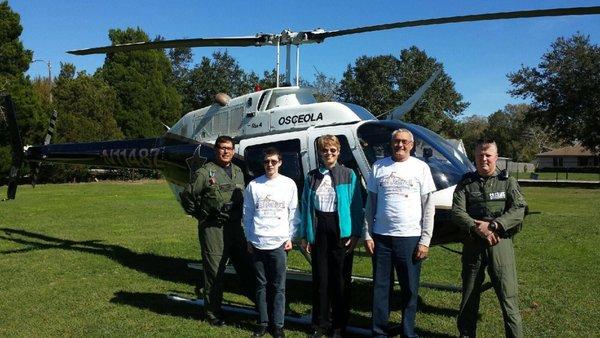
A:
{"x": 575, "y": 150}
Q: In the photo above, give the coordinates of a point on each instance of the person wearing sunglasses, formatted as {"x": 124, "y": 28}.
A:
{"x": 332, "y": 222}
{"x": 270, "y": 218}
{"x": 214, "y": 197}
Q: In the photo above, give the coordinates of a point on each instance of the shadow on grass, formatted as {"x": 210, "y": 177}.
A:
{"x": 175, "y": 269}
{"x": 423, "y": 307}
{"x": 160, "y": 304}
{"x": 157, "y": 303}
{"x": 163, "y": 267}
{"x": 166, "y": 268}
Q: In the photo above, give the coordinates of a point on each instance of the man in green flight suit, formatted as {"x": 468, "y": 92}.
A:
{"x": 490, "y": 207}
{"x": 215, "y": 198}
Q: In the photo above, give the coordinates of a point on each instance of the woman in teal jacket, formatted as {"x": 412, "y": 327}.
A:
{"x": 332, "y": 223}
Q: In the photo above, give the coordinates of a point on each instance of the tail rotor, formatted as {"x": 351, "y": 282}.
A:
{"x": 35, "y": 166}
{"x": 16, "y": 145}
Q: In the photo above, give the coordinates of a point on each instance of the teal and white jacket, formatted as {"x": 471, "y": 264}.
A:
{"x": 349, "y": 203}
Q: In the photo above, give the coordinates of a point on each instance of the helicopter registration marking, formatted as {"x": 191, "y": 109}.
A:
{"x": 302, "y": 118}
{"x": 143, "y": 157}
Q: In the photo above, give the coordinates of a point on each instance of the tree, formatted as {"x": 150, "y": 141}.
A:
{"x": 15, "y": 60}
{"x": 327, "y": 88}
{"x": 514, "y": 137}
{"x": 372, "y": 83}
{"x": 144, "y": 83}
{"x": 86, "y": 107}
{"x": 471, "y": 129}
{"x": 565, "y": 89}
{"x": 221, "y": 74}
{"x": 383, "y": 82}
{"x": 181, "y": 63}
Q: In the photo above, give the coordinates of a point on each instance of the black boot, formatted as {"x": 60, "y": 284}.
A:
{"x": 278, "y": 332}
{"x": 261, "y": 331}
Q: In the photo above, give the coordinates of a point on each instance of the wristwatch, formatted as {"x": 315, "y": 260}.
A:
{"x": 493, "y": 226}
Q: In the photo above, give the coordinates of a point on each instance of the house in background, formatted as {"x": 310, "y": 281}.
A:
{"x": 570, "y": 157}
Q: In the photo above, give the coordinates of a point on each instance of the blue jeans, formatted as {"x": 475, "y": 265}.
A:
{"x": 270, "y": 266}
{"x": 398, "y": 253}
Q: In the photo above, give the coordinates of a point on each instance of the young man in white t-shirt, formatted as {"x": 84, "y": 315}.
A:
{"x": 270, "y": 218}
{"x": 400, "y": 224}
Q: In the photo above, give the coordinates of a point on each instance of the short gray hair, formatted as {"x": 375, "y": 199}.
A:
{"x": 402, "y": 130}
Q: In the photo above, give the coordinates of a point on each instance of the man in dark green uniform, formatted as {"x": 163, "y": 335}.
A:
{"x": 490, "y": 207}
{"x": 215, "y": 198}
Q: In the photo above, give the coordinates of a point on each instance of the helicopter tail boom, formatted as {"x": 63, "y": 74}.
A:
{"x": 147, "y": 153}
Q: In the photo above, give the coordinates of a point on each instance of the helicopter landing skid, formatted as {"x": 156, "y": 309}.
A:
{"x": 302, "y": 276}
{"x": 244, "y": 310}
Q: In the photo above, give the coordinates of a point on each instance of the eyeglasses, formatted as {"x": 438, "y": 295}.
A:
{"x": 329, "y": 150}
{"x": 404, "y": 142}
{"x": 270, "y": 162}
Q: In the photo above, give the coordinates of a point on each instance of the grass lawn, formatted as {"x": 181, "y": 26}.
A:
{"x": 97, "y": 260}
{"x": 551, "y": 176}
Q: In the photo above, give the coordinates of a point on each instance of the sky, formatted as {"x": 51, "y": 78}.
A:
{"x": 476, "y": 55}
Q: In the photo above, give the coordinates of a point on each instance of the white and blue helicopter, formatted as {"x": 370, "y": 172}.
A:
{"x": 286, "y": 117}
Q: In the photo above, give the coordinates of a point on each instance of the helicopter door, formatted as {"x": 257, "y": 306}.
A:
{"x": 291, "y": 155}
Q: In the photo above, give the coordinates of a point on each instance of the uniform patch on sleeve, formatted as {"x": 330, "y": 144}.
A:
{"x": 500, "y": 195}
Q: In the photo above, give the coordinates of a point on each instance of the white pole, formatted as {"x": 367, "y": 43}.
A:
{"x": 277, "y": 72}
{"x": 288, "y": 74}
{"x": 297, "y": 65}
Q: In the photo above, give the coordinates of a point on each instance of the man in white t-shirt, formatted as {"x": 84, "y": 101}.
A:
{"x": 400, "y": 224}
{"x": 270, "y": 218}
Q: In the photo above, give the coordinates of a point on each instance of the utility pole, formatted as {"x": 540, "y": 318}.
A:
{"x": 49, "y": 65}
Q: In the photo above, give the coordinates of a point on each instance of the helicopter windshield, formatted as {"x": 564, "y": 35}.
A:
{"x": 447, "y": 163}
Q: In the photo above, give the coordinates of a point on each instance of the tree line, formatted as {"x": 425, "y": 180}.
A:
{"x": 135, "y": 94}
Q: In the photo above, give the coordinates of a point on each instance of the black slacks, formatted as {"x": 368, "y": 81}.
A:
{"x": 332, "y": 274}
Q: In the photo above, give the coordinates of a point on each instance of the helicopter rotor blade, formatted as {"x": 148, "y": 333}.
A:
{"x": 318, "y": 35}
{"x": 241, "y": 41}
{"x": 321, "y": 35}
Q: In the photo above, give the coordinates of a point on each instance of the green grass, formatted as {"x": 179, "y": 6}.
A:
{"x": 551, "y": 176}
{"x": 97, "y": 260}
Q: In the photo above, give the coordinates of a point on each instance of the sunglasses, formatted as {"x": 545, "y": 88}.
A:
{"x": 329, "y": 150}
{"x": 271, "y": 162}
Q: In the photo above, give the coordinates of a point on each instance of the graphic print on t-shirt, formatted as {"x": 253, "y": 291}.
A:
{"x": 393, "y": 184}
{"x": 267, "y": 207}
{"x": 325, "y": 195}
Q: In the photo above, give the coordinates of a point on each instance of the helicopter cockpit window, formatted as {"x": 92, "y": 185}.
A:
{"x": 290, "y": 153}
{"x": 446, "y": 167}
{"x": 347, "y": 159}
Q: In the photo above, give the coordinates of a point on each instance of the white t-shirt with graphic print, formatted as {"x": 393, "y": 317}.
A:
{"x": 399, "y": 187}
{"x": 270, "y": 211}
{"x": 325, "y": 197}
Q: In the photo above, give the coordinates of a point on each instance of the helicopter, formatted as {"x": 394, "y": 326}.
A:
{"x": 286, "y": 117}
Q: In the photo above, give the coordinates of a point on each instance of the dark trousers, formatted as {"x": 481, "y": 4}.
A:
{"x": 269, "y": 266}
{"x": 331, "y": 273}
{"x": 396, "y": 252}
{"x": 218, "y": 244}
